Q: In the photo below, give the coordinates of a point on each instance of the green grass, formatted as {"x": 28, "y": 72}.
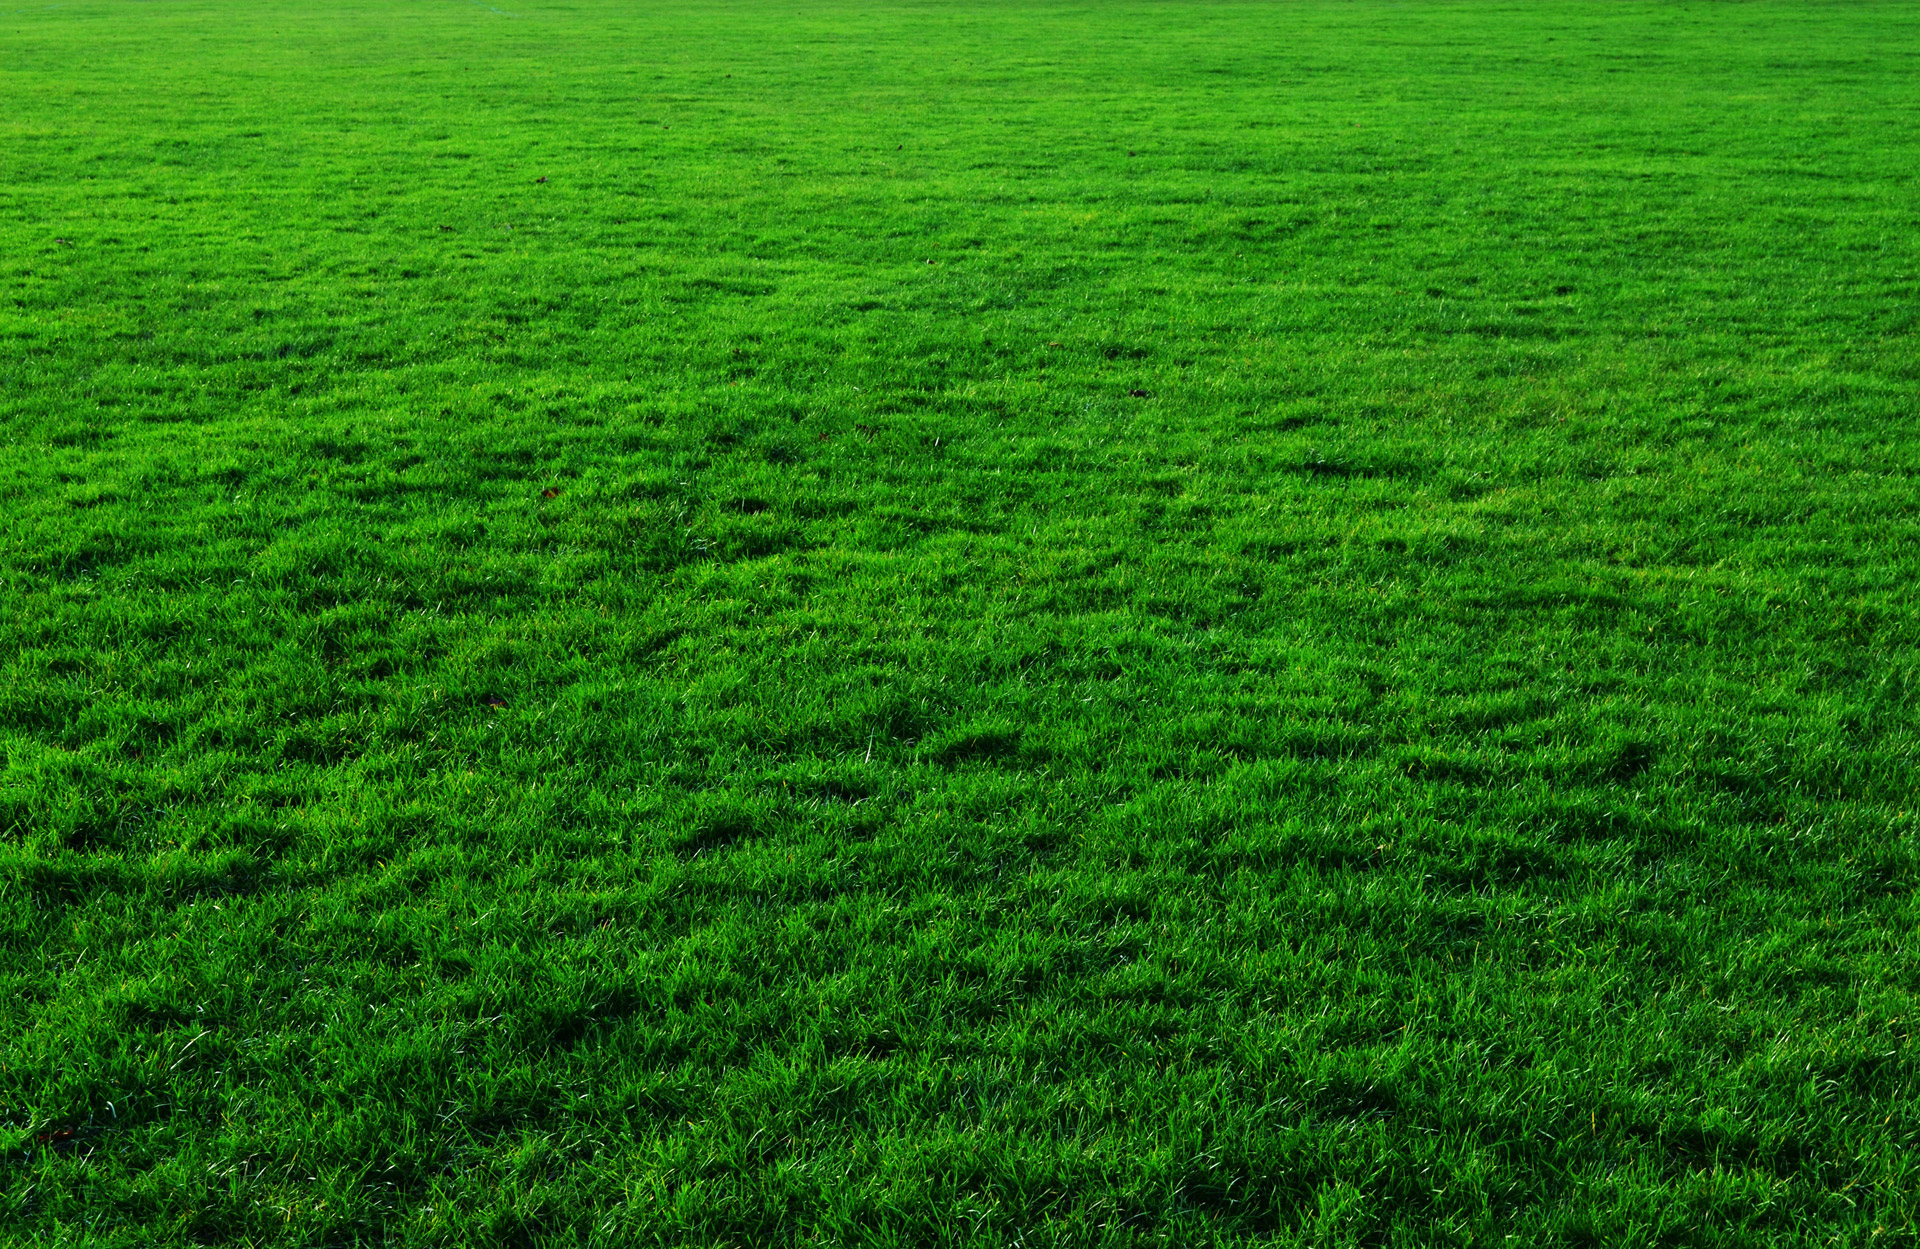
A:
{"x": 967, "y": 623}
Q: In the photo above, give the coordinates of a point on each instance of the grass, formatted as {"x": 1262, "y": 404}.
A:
{"x": 965, "y": 623}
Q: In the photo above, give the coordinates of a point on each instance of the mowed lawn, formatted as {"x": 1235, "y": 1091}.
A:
{"x": 959, "y": 623}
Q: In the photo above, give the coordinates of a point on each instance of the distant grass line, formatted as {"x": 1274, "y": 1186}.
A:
{"x": 968, "y": 623}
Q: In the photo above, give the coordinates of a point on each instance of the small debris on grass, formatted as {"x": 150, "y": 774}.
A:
{"x": 541, "y": 178}
{"x": 446, "y": 229}
{"x": 64, "y": 242}
{"x": 551, "y": 492}
{"x": 1138, "y": 394}
{"x": 64, "y": 1140}
{"x": 493, "y": 700}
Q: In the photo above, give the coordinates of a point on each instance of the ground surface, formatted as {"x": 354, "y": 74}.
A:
{"x": 1186, "y": 624}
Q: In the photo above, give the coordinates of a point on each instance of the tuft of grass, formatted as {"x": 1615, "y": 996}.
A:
{"x": 967, "y": 623}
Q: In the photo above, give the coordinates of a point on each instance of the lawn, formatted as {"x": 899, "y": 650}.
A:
{"x": 1278, "y": 622}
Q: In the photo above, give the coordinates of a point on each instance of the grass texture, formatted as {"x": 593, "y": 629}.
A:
{"x": 959, "y": 623}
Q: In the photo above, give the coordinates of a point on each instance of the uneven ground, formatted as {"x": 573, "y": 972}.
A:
{"x": 959, "y": 623}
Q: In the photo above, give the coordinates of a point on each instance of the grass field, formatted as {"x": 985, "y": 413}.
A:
{"x": 959, "y": 623}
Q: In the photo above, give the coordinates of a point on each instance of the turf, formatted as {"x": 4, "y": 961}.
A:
{"x": 959, "y": 623}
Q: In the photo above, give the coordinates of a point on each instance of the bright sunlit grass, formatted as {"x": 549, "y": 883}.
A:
{"x": 959, "y": 623}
